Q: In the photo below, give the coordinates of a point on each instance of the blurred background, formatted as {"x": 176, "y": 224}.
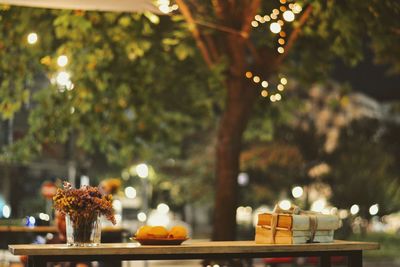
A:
{"x": 126, "y": 101}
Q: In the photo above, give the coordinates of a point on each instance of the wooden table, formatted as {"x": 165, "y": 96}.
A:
{"x": 41, "y": 254}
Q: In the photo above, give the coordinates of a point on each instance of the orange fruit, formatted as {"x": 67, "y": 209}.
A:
{"x": 178, "y": 232}
{"x": 143, "y": 231}
{"x": 158, "y": 232}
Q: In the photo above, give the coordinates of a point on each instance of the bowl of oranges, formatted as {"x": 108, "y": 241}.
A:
{"x": 159, "y": 235}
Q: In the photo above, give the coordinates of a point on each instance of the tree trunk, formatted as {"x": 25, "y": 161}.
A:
{"x": 240, "y": 99}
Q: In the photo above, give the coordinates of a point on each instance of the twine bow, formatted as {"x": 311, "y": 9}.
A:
{"x": 293, "y": 210}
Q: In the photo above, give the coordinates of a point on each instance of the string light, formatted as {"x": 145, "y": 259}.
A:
{"x": 264, "y": 93}
{"x": 282, "y": 1}
{"x": 63, "y": 78}
{"x": 275, "y": 27}
{"x": 288, "y": 15}
{"x": 164, "y": 6}
{"x": 281, "y": 41}
{"x": 257, "y": 17}
{"x": 32, "y": 38}
{"x": 275, "y": 11}
{"x": 256, "y": 79}
{"x": 273, "y": 16}
{"x": 281, "y": 22}
{"x": 281, "y": 50}
{"x": 267, "y": 18}
{"x": 296, "y": 8}
{"x": 282, "y": 8}
{"x": 254, "y": 23}
{"x": 264, "y": 84}
{"x": 62, "y": 61}
{"x": 282, "y": 34}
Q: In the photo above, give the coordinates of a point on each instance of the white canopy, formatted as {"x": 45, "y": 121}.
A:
{"x": 99, "y": 5}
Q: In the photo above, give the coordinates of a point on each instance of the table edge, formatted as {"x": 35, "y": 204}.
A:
{"x": 188, "y": 249}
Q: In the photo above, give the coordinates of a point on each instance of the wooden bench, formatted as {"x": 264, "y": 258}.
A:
{"x": 39, "y": 255}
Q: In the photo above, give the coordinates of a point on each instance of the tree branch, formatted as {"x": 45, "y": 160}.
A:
{"x": 248, "y": 16}
{"x": 221, "y": 28}
{"x": 295, "y": 33}
{"x": 195, "y": 31}
{"x": 219, "y": 7}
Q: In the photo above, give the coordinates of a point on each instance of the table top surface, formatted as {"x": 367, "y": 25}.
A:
{"x": 196, "y": 248}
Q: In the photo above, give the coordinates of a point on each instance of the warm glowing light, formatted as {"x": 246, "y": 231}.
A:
{"x": 254, "y": 23}
{"x": 32, "y": 221}
{"x": 278, "y": 97}
{"x": 44, "y": 216}
{"x": 318, "y": 205}
{"x": 32, "y": 38}
{"x": 264, "y": 84}
{"x": 280, "y": 87}
{"x": 256, "y": 79}
{"x": 281, "y": 50}
{"x": 275, "y": 27}
{"x": 285, "y": 204}
{"x": 282, "y": 34}
{"x": 288, "y": 15}
{"x": 272, "y": 98}
{"x": 354, "y": 209}
{"x": 264, "y": 93}
{"x": 275, "y": 11}
{"x": 130, "y": 192}
{"x": 163, "y": 6}
{"x": 267, "y": 18}
{"x": 281, "y": 22}
{"x": 249, "y": 74}
{"x": 282, "y": 1}
{"x": 142, "y": 170}
{"x": 296, "y": 8}
{"x": 62, "y": 61}
{"x": 257, "y": 17}
{"x": 6, "y": 211}
{"x": 297, "y": 191}
{"x": 283, "y": 81}
{"x": 281, "y": 41}
{"x": 63, "y": 78}
{"x": 273, "y": 16}
{"x": 374, "y": 209}
{"x": 243, "y": 179}
{"x": 282, "y": 8}
{"x": 164, "y": 9}
{"x": 117, "y": 204}
{"x": 163, "y": 208}
{"x": 142, "y": 217}
{"x": 343, "y": 214}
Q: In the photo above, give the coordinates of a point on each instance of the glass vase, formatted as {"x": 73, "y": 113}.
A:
{"x": 83, "y": 231}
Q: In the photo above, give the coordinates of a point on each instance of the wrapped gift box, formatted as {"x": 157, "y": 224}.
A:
{"x": 304, "y": 227}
